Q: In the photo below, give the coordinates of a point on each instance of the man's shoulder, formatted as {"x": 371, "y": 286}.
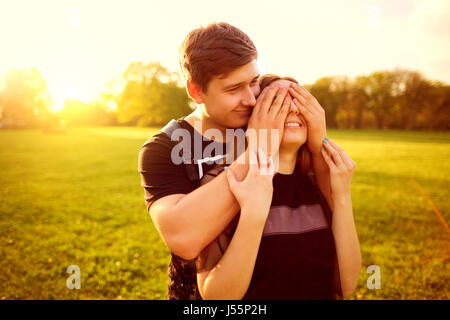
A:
{"x": 159, "y": 147}
{"x": 162, "y": 139}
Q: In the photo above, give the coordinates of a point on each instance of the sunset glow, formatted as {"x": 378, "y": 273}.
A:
{"x": 81, "y": 45}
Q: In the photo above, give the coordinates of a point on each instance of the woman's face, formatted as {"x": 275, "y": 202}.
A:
{"x": 295, "y": 130}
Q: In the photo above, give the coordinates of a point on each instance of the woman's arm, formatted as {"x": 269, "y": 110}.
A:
{"x": 314, "y": 115}
{"x": 347, "y": 245}
{"x": 322, "y": 177}
{"x": 228, "y": 276}
{"x": 343, "y": 225}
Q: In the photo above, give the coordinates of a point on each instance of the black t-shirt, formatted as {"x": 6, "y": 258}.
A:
{"x": 297, "y": 256}
{"x": 161, "y": 177}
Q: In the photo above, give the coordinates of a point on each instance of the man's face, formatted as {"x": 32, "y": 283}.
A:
{"x": 229, "y": 100}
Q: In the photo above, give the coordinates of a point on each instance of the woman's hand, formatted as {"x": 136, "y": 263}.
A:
{"x": 269, "y": 113}
{"x": 314, "y": 115}
{"x": 254, "y": 193}
{"x": 341, "y": 170}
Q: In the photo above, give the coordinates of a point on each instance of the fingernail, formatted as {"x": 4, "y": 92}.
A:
{"x": 323, "y": 148}
{"x": 324, "y": 140}
{"x": 226, "y": 168}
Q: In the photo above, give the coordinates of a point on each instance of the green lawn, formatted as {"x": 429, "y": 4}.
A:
{"x": 75, "y": 199}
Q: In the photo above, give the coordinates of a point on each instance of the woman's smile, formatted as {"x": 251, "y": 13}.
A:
{"x": 292, "y": 125}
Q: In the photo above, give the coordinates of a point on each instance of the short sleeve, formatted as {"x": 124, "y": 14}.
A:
{"x": 160, "y": 177}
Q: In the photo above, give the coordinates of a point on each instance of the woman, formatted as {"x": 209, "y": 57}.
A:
{"x": 286, "y": 243}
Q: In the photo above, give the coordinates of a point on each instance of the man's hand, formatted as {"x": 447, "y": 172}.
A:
{"x": 270, "y": 111}
{"x": 314, "y": 115}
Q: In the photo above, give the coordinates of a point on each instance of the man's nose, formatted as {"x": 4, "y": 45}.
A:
{"x": 249, "y": 98}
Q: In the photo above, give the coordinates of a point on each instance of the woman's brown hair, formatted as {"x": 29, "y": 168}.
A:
{"x": 304, "y": 158}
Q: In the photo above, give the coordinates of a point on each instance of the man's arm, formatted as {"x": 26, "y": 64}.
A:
{"x": 189, "y": 222}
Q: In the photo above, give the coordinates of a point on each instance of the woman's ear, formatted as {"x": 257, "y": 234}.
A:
{"x": 194, "y": 91}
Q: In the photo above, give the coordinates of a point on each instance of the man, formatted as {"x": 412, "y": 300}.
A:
{"x": 219, "y": 66}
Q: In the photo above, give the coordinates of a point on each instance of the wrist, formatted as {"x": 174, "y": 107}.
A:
{"x": 315, "y": 149}
{"x": 241, "y": 165}
{"x": 254, "y": 215}
{"x": 342, "y": 200}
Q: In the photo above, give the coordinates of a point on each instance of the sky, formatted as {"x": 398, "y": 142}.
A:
{"x": 81, "y": 45}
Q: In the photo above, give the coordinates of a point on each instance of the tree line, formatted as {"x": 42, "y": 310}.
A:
{"x": 150, "y": 95}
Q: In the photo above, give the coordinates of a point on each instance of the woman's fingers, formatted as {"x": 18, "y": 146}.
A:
{"x": 265, "y": 163}
{"x": 345, "y": 157}
{"x": 267, "y": 100}
{"x": 278, "y": 103}
{"x": 285, "y": 108}
{"x": 308, "y": 96}
{"x": 308, "y": 99}
{"x": 305, "y": 107}
{"x": 259, "y": 100}
{"x": 334, "y": 154}
{"x": 304, "y": 111}
{"x": 262, "y": 158}
{"x": 296, "y": 95}
{"x": 253, "y": 158}
{"x": 328, "y": 159}
{"x": 271, "y": 166}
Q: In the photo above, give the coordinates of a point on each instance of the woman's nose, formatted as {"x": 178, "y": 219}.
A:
{"x": 294, "y": 108}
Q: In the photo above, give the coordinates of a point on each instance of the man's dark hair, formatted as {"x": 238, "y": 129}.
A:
{"x": 214, "y": 50}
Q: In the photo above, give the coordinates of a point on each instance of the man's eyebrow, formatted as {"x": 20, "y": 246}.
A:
{"x": 240, "y": 83}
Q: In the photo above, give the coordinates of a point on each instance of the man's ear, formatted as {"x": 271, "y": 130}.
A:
{"x": 194, "y": 91}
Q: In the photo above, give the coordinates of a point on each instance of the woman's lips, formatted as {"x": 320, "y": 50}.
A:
{"x": 244, "y": 111}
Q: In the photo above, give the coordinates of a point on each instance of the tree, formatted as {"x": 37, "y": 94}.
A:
{"x": 414, "y": 95}
{"x": 24, "y": 99}
{"x": 380, "y": 86}
{"x": 358, "y": 99}
{"x": 321, "y": 91}
{"x": 78, "y": 113}
{"x": 151, "y": 96}
{"x": 436, "y": 113}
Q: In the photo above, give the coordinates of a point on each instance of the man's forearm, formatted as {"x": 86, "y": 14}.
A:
{"x": 203, "y": 214}
{"x": 322, "y": 174}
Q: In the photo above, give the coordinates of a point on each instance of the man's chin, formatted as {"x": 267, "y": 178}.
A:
{"x": 238, "y": 123}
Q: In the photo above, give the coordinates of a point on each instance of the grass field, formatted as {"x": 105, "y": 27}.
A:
{"x": 75, "y": 199}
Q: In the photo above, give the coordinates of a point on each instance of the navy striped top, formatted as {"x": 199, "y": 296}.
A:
{"x": 297, "y": 256}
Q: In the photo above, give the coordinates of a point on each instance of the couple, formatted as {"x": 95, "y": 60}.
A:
{"x": 233, "y": 232}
